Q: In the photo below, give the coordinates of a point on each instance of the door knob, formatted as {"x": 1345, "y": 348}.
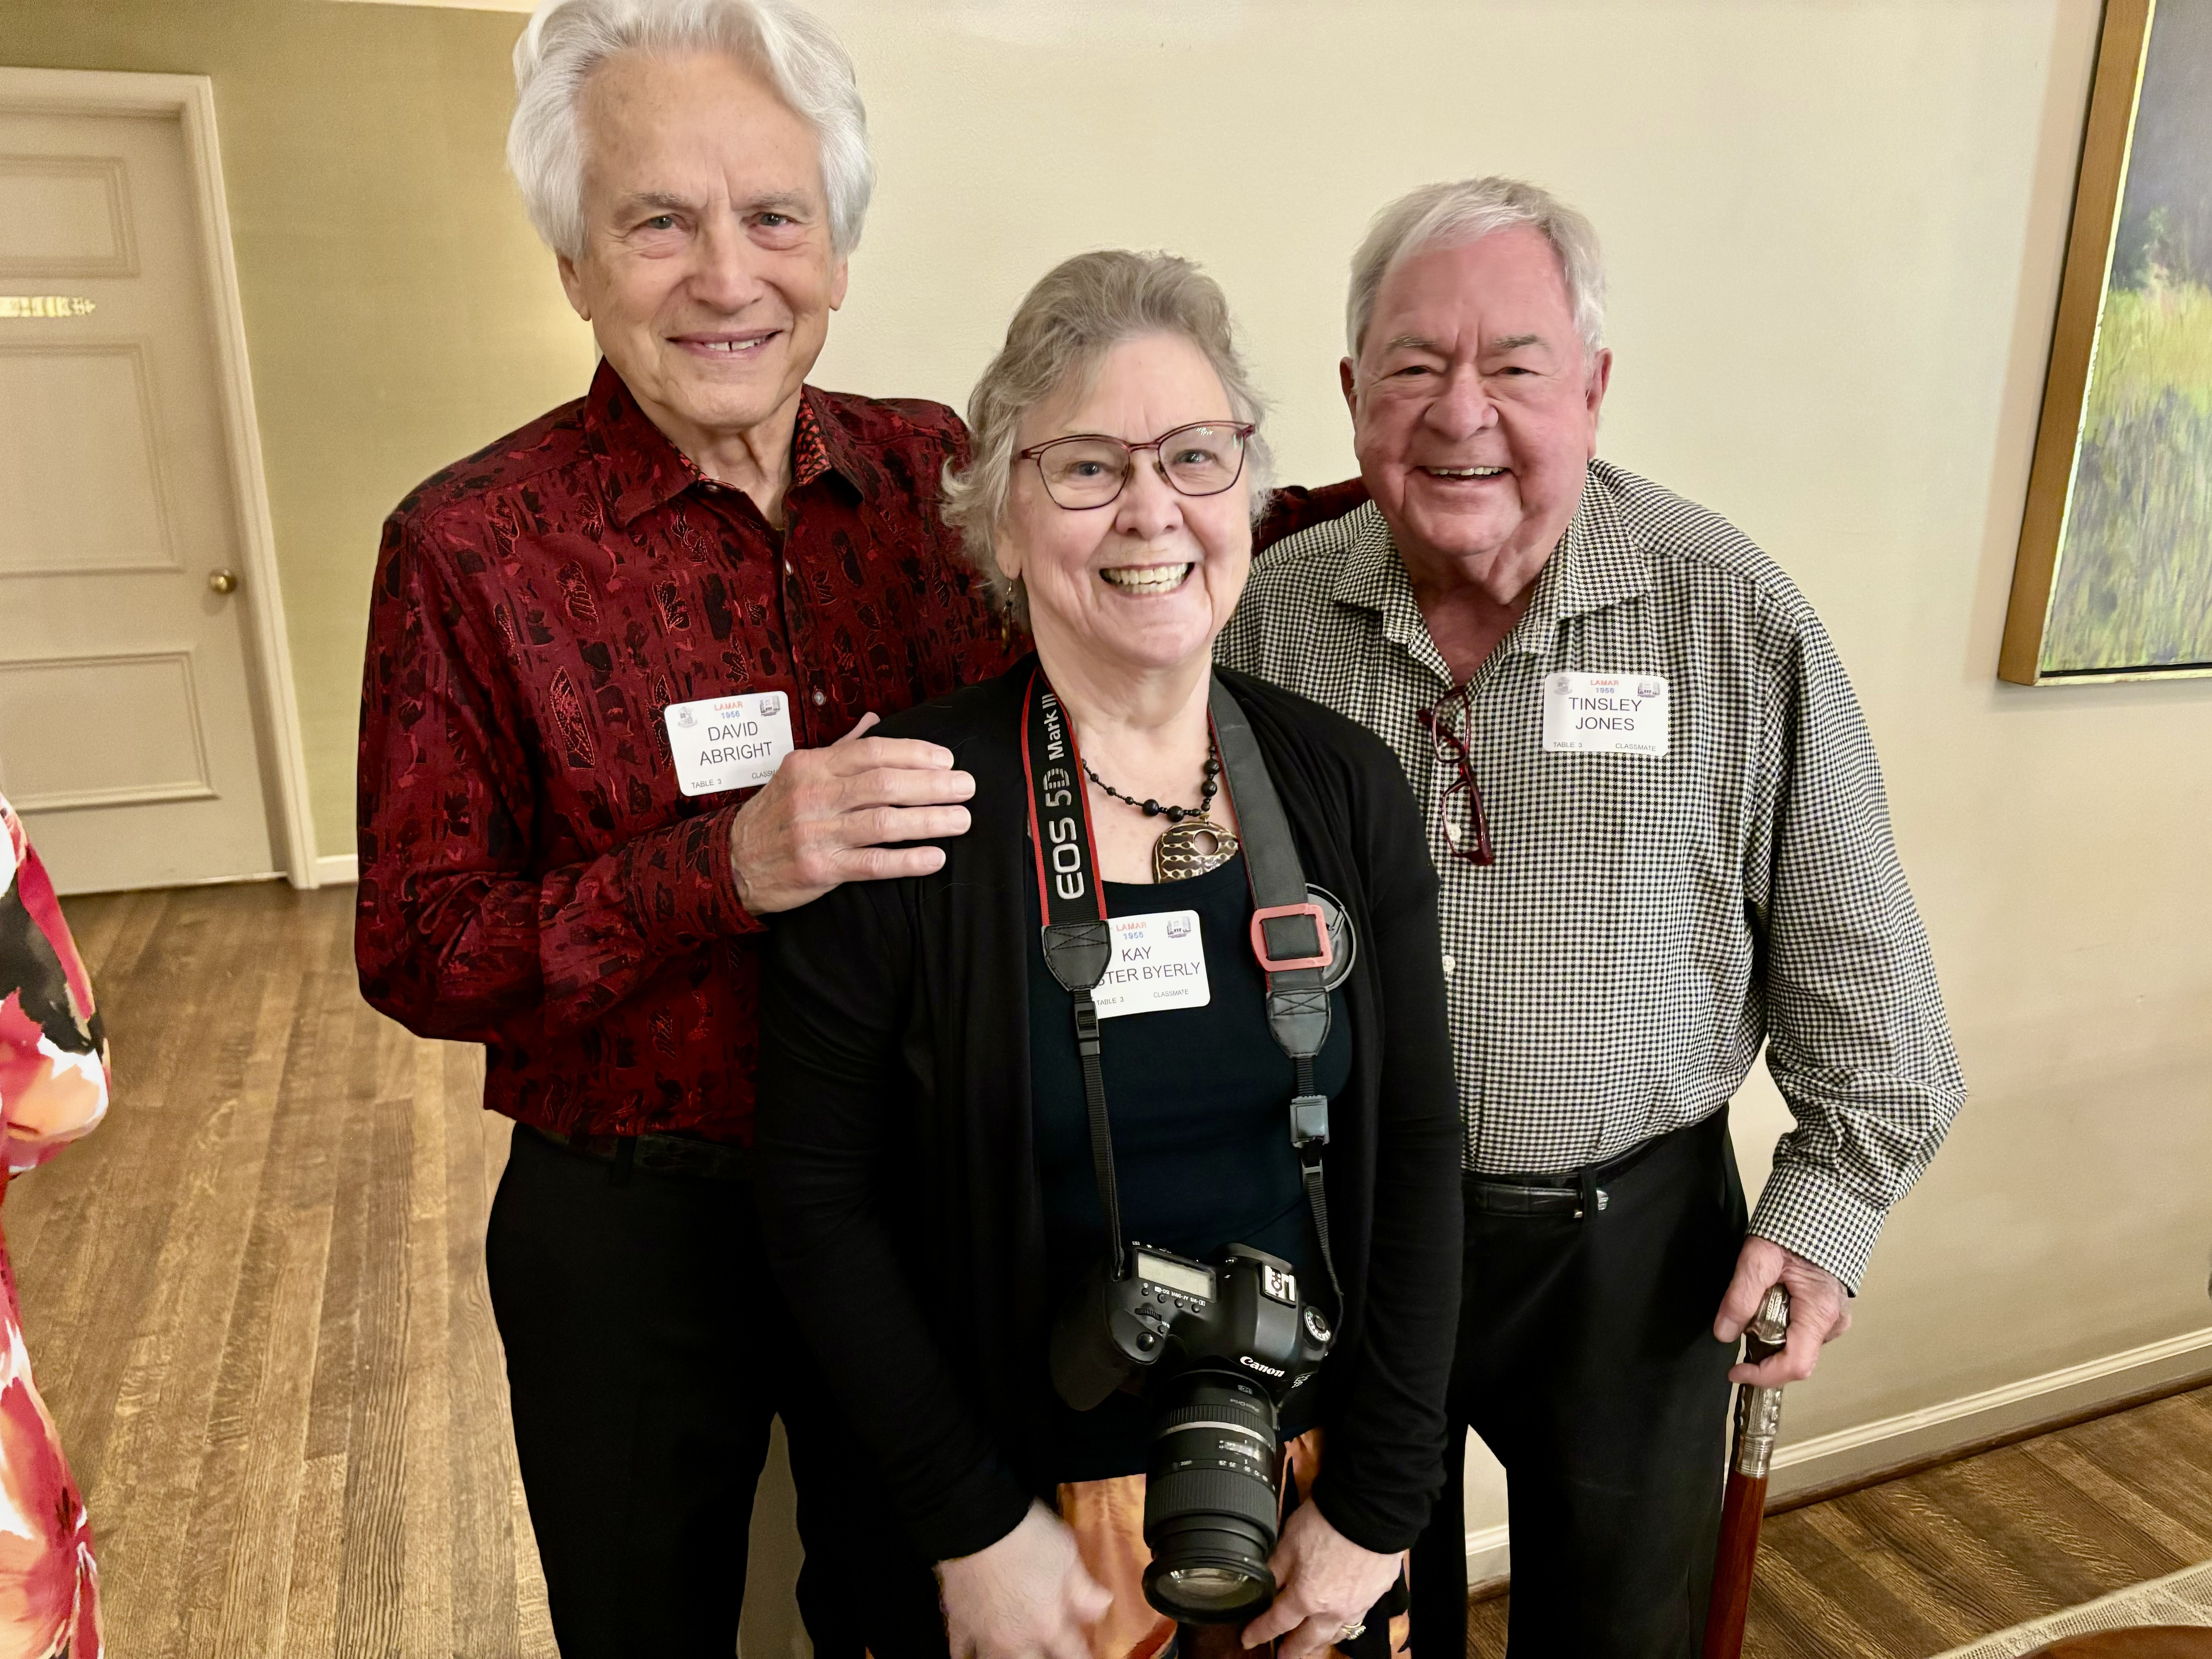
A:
{"x": 222, "y": 581}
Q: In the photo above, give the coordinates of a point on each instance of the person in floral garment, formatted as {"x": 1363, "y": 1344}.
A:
{"x": 53, "y": 1088}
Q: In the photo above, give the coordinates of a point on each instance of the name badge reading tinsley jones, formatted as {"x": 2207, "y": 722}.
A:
{"x": 728, "y": 743}
{"x": 1605, "y": 714}
{"x": 1159, "y": 961}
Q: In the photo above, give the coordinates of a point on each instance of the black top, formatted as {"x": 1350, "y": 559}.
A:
{"x": 899, "y": 1183}
{"x": 1198, "y": 1099}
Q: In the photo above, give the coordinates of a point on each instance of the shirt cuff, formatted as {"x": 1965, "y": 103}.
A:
{"x": 1808, "y": 1212}
{"x": 679, "y": 887}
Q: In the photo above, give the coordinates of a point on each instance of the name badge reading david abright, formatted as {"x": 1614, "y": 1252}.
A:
{"x": 1605, "y": 714}
{"x": 728, "y": 743}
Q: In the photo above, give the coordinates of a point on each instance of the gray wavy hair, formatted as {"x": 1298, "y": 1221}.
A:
{"x": 1463, "y": 211}
{"x": 1078, "y": 311}
{"x": 567, "y": 39}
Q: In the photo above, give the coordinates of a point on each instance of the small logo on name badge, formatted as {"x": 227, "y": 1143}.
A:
{"x": 685, "y": 717}
{"x": 771, "y": 705}
{"x": 1563, "y": 684}
{"x": 1179, "y": 927}
{"x": 1647, "y": 688}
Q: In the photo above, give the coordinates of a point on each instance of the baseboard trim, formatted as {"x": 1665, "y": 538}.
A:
{"x": 1834, "y": 1464}
{"x": 1488, "y": 1561}
{"x": 338, "y": 869}
{"x": 1881, "y": 1451}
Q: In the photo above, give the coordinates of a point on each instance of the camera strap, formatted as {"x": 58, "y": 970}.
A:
{"x": 1290, "y": 933}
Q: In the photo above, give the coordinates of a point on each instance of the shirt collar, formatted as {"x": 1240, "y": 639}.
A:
{"x": 641, "y": 469}
{"x": 1595, "y": 566}
{"x": 1372, "y": 576}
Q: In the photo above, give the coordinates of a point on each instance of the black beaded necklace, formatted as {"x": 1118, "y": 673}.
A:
{"x": 1193, "y": 843}
{"x": 1151, "y": 809}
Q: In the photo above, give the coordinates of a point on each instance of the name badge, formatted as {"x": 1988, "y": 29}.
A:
{"x": 1605, "y": 714}
{"x": 728, "y": 743}
{"x": 1159, "y": 961}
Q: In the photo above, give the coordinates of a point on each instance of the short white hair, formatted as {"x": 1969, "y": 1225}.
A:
{"x": 1463, "y": 210}
{"x": 567, "y": 39}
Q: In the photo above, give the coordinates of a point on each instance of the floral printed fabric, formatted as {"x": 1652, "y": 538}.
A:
{"x": 53, "y": 1088}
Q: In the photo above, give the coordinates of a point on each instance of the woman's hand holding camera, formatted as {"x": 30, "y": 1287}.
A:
{"x": 1327, "y": 1583}
{"x": 1026, "y": 1595}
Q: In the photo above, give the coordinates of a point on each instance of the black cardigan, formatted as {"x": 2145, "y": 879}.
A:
{"x": 898, "y": 1181}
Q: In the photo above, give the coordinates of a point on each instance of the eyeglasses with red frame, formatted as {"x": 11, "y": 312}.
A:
{"x": 1445, "y": 736}
{"x": 1088, "y": 469}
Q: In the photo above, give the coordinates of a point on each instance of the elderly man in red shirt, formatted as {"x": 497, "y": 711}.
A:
{"x": 587, "y": 643}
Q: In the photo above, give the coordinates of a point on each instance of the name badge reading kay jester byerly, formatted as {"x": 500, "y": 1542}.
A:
{"x": 1159, "y": 961}
{"x": 728, "y": 743}
{"x": 1605, "y": 714}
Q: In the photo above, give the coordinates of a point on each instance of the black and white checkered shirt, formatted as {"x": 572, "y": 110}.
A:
{"x": 1648, "y": 921}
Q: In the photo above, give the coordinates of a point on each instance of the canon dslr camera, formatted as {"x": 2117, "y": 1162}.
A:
{"x": 1216, "y": 1350}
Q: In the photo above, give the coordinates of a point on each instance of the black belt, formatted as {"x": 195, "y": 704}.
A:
{"x": 1576, "y": 1193}
{"x": 677, "y": 1155}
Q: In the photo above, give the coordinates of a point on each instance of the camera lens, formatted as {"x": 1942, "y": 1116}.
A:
{"x": 1212, "y": 1503}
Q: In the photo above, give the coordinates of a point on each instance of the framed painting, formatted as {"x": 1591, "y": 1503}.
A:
{"x": 2113, "y": 580}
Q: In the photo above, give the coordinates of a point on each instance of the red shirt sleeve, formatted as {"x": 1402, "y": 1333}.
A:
{"x": 458, "y": 931}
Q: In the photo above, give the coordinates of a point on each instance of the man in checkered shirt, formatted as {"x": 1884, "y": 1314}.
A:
{"x": 1663, "y": 839}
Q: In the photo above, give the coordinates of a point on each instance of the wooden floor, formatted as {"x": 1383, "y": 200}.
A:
{"x": 1921, "y": 1566}
{"x": 255, "y": 1302}
{"x": 256, "y": 1305}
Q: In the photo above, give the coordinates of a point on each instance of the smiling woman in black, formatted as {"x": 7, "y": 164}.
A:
{"x": 927, "y": 1181}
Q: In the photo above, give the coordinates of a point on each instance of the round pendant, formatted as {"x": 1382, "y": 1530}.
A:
{"x": 1191, "y": 848}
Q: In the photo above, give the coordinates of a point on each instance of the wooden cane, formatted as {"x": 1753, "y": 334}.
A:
{"x": 1758, "y": 1416}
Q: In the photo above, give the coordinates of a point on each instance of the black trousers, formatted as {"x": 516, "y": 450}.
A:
{"x": 1587, "y": 1364}
{"x": 648, "y": 1351}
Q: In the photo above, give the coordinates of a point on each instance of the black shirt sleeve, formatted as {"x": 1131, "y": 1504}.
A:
{"x": 833, "y": 1095}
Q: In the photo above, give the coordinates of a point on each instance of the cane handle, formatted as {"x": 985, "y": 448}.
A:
{"x": 1758, "y": 1411}
{"x": 1769, "y": 1327}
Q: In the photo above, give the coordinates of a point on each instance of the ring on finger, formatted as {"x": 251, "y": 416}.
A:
{"x": 1353, "y": 1631}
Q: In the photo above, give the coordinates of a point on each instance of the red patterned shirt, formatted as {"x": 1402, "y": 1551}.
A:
{"x": 532, "y": 877}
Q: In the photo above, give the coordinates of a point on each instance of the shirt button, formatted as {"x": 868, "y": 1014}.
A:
{"x": 820, "y": 696}
{"x": 1448, "y": 964}
{"x": 786, "y": 567}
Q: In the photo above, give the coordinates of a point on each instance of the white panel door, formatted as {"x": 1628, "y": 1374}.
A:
{"x": 127, "y": 732}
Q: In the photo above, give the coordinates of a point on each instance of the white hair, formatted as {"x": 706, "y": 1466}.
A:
{"x": 567, "y": 39}
{"x": 1463, "y": 210}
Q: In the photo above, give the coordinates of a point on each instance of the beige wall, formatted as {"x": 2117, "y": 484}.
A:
{"x": 1835, "y": 235}
{"x": 399, "y": 312}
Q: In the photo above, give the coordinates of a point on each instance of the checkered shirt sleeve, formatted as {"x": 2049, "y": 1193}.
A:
{"x": 1648, "y": 922}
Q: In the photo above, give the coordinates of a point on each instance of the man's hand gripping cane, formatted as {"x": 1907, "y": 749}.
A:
{"x": 1819, "y": 1311}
